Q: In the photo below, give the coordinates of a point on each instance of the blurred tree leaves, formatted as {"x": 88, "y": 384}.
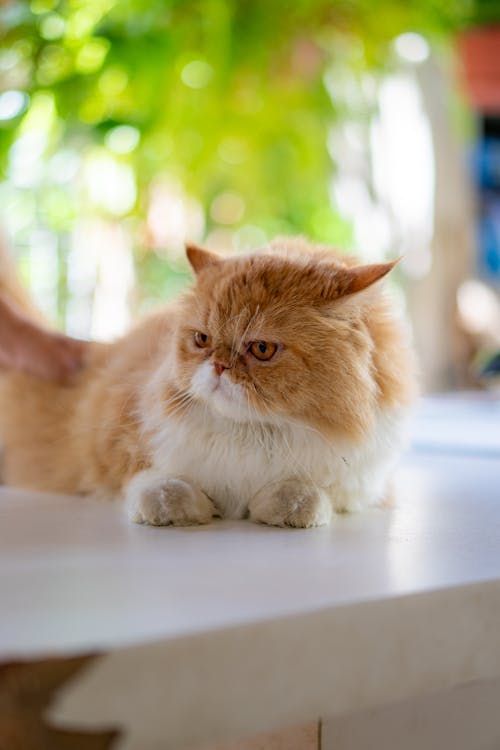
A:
{"x": 225, "y": 96}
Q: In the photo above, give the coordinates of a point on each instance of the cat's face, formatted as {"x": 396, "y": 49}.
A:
{"x": 269, "y": 337}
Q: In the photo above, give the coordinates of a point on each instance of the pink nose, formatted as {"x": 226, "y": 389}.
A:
{"x": 219, "y": 367}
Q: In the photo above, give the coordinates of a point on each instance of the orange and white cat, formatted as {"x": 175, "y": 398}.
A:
{"x": 276, "y": 388}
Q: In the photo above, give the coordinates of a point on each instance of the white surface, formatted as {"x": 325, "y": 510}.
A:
{"x": 248, "y": 627}
{"x": 462, "y": 424}
{"x": 76, "y": 575}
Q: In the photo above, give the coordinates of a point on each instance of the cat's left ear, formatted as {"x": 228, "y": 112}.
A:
{"x": 352, "y": 280}
{"x": 200, "y": 258}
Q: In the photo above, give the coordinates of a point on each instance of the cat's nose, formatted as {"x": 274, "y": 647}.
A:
{"x": 220, "y": 366}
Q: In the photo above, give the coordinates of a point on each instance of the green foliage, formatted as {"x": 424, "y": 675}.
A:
{"x": 222, "y": 96}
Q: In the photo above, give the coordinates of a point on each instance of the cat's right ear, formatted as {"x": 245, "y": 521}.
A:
{"x": 200, "y": 258}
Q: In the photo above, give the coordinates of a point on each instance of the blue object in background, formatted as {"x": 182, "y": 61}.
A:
{"x": 487, "y": 163}
{"x": 487, "y": 176}
{"x": 489, "y": 236}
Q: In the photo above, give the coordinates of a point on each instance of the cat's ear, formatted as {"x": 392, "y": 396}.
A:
{"x": 353, "y": 285}
{"x": 200, "y": 258}
{"x": 358, "y": 278}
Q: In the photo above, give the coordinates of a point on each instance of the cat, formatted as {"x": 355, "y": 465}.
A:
{"x": 276, "y": 388}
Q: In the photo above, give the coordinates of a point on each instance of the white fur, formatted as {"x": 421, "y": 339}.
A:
{"x": 231, "y": 460}
{"x": 225, "y": 397}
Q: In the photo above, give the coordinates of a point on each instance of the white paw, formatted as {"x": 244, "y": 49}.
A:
{"x": 165, "y": 502}
{"x": 291, "y": 503}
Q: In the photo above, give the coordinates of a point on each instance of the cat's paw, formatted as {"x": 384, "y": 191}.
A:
{"x": 291, "y": 503}
{"x": 169, "y": 502}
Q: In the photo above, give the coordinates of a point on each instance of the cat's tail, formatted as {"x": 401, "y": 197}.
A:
{"x": 11, "y": 289}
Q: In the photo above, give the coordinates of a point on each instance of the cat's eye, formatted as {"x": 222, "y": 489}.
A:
{"x": 201, "y": 340}
{"x": 263, "y": 350}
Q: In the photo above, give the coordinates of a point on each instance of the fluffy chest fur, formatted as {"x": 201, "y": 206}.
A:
{"x": 231, "y": 462}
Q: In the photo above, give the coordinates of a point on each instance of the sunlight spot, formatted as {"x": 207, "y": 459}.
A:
{"x": 12, "y": 104}
{"x": 111, "y": 185}
{"x": 478, "y": 306}
{"x": 412, "y": 47}
{"x": 113, "y": 81}
{"x": 52, "y": 26}
{"x": 91, "y": 56}
{"x": 197, "y": 74}
{"x": 123, "y": 139}
{"x": 63, "y": 166}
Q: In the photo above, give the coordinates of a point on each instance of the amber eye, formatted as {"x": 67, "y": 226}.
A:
{"x": 263, "y": 350}
{"x": 201, "y": 340}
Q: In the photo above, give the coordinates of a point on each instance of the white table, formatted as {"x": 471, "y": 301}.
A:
{"x": 221, "y": 631}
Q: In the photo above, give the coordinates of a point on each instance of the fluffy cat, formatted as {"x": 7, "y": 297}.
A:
{"x": 276, "y": 388}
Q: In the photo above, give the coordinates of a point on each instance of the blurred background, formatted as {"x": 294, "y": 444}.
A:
{"x": 129, "y": 126}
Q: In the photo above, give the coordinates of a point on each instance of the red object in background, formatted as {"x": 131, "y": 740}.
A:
{"x": 480, "y": 52}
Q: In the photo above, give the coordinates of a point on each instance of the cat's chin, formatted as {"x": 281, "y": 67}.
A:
{"x": 221, "y": 407}
{"x": 223, "y": 404}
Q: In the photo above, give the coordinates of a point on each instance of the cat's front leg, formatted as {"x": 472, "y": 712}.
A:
{"x": 159, "y": 501}
{"x": 293, "y": 502}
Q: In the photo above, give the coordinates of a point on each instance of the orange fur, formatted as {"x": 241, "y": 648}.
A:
{"x": 343, "y": 359}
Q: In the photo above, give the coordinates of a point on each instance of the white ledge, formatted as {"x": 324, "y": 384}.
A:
{"x": 285, "y": 624}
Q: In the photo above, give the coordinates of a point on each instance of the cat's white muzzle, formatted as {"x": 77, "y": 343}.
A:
{"x": 225, "y": 397}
